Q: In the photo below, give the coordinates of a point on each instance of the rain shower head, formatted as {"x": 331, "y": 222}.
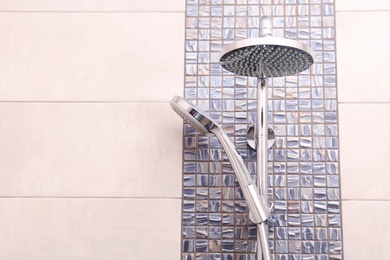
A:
{"x": 266, "y": 57}
{"x": 193, "y": 115}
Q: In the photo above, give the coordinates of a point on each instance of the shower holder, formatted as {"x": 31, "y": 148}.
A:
{"x": 252, "y": 137}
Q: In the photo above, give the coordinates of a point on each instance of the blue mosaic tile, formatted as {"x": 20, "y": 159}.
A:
{"x": 307, "y": 206}
{"x": 188, "y": 246}
{"x": 201, "y": 245}
{"x": 321, "y": 234}
{"x": 308, "y": 247}
{"x": 303, "y": 165}
{"x": 321, "y": 220}
{"x": 201, "y": 206}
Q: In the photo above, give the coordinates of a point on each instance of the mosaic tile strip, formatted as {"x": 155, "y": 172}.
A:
{"x": 304, "y": 183}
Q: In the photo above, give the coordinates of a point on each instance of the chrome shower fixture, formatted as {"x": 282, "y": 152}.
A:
{"x": 264, "y": 57}
{"x": 199, "y": 119}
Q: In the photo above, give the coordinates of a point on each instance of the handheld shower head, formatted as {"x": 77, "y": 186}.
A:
{"x": 193, "y": 115}
{"x": 199, "y": 119}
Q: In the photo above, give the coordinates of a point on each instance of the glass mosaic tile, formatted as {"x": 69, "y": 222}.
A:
{"x": 304, "y": 182}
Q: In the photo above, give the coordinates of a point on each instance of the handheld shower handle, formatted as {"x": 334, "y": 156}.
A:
{"x": 259, "y": 212}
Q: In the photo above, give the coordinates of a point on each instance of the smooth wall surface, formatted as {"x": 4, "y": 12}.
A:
{"x": 362, "y": 68}
{"x": 90, "y": 158}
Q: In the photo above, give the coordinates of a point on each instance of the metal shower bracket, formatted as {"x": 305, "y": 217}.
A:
{"x": 251, "y": 137}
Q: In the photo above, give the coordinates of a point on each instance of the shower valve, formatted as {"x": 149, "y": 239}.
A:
{"x": 251, "y": 137}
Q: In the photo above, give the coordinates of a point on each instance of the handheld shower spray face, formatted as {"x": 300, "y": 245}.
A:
{"x": 205, "y": 125}
{"x": 193, "y": 115}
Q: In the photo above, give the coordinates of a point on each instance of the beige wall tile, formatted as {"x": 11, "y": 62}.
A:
{"x": 92, "y": 229}
{"x": 363, "y": 56}
{"x": 91, "y": 56}
{"x": 362, "y": 5}
{"x": 93, "y": 5}
{"x": 364, "y": 151}
{"x": 366, "y": 233}
{"x": 90, "y": 149}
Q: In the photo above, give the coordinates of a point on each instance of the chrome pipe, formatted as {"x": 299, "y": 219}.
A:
{"x": 262, "y": 242}
{"x": 262, "y": 164}
{"x": 266, "y": 27}
{"x": 262, "y": 143}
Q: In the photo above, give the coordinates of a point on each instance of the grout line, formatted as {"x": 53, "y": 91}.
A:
{"x": 80, "y": 197}
{"x": 83, "y": 12}
{"x": 364, "y": 103}
{"x": 84, "y": 102}
{"x": 365, "y": 200}
{"x": 362, "y": 11}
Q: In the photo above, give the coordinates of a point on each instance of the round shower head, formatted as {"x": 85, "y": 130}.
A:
{"x": 193, "y": 115}
{"x": 266, "y": 57}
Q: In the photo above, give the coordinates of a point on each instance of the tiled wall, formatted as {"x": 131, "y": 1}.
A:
{"x": 90, "y": 158}
{"x": 82, "y": 176}
{"x": 364, "y": 101}
{"x": 303, "y": 165}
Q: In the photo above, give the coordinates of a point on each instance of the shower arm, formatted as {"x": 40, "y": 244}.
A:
{"x": 259, "y": 212}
